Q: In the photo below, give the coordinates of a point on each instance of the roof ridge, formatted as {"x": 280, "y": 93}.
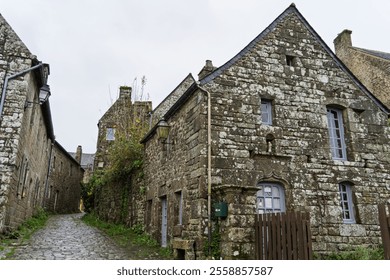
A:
{"x": 269, "y": 28}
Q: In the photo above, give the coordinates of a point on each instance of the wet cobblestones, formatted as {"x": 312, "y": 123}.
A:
{"x": 66, "y": 237}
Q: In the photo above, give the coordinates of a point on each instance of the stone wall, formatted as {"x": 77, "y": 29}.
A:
{"x": 119, "y": 117}
{"x": 63, "y": 191}
{"x": 292, "y": 68}
{"x": 175, "y": 167}
{"x": 122, "y": 202}
{"x": 24, "y": 139}
{"x": 26, "y": 133}
{"x": 370, "y": 67}
{"x": 300, "y": 156}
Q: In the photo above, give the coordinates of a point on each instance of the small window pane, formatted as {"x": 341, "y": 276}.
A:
{"x": 266, "y": 112}
{"x": 346, "y": 203}
{"x": 270, "y": 198}
{"x": 110, "y": 135}
{"x": 336, "y": 134}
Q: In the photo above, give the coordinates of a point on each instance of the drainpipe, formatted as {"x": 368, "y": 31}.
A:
{"x": 208, "y": 164}
{"x": 7, "y": 78}
{"x": 48, "y": 174}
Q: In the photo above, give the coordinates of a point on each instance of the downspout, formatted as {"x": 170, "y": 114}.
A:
{"x": 7, "y": 78}
{"x": 48, "y": 174}
{"x": 208, "y": 165}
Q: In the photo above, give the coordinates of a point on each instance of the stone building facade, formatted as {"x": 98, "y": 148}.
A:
{"x": 371, "y": 67}
{"x": 63, "y": 189}
{"x": 283, "y": 125}
{"x": 116, "y": 120}
{"x": 121, "y": 201}
{"x": 26, "y": 131}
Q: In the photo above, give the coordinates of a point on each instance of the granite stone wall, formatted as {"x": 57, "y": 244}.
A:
{"x": 292, "y": 69}
{"x": 63, "y": 191}
{"x": 372, "y": 68}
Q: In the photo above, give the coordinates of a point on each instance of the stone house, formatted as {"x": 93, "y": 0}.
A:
{"x": 371, "y": 67}
{"x": 116, "y": 120}
{"x": 283, "y": 125}
{"x": 63, "y": 189}
{"x": 120, "y": 201}
{"x": 86, "y": 161}
{"x": 26, "y": 131}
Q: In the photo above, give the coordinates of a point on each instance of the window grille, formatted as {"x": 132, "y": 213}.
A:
{"x": 270, "y": 198}
{"x": 346, "y": 203}
{"x": 266, "y": 112}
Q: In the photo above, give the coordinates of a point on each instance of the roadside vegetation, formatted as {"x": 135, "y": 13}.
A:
{"x": 133, "y": 239}
{"x": 22, "y": 234}
{"x": 359, "y": 253}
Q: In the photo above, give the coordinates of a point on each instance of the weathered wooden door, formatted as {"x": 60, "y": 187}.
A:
{"x": 164, "y": 221}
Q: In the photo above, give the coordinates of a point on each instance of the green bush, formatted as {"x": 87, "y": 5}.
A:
{"x": 358, "y": 253}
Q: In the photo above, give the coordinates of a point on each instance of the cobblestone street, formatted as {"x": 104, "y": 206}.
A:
{"x": 66, "y": 237}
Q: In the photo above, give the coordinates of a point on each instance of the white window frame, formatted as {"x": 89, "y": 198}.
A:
{"x": 266, "y": 112}
{"x": 270, "y": 198}
{"x": 336, "y": 134}
{"x": 346, "y": 203}
{"x": 110, "y": 134}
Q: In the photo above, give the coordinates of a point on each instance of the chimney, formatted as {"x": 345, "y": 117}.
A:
{"x": 343, "y": 41}
{"x": 79, "y": 152}
{"x": 125, "y": 92}
{"x": 207, "y": 69}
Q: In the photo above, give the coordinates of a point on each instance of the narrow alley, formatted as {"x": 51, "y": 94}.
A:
{"x": 66, "y": 237}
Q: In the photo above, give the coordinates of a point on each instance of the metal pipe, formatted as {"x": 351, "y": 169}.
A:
{"x": 208, "y": 165}
{"x": 3, "y": 94}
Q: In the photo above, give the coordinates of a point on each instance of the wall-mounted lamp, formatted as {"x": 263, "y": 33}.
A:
{"x": 43, "y": 66}
{"x": 163, "y": 130}
{"x": 44, "y": 94}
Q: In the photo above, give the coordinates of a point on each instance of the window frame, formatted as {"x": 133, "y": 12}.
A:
{"x": 336, "y": 133}
{"x": 346, "y": 199}
{"x": 110, "y": 134}
{"x": 281, "y": 197}
{"x": 266, "y": 108}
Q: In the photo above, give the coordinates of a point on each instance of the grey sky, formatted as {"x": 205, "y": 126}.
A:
{"x": 93, "y": 47}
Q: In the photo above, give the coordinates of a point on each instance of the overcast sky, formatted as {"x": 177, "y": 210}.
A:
{"x": 95, "y": 46}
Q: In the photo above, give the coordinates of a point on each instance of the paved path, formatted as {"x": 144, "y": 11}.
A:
{"x": 66, "y": 237}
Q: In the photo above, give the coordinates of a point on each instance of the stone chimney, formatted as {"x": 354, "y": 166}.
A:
{"x": 125, "y": 92}
{"x": 79, "y": 153}
{"x": 207, "y": 69}
{"x": 343, "y": 41}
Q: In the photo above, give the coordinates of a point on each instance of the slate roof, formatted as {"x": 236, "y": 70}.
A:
{"x": 375, "y": 53}
{"x": 86, "y": 159}
{"x": 293, "y": 10}
{"x": 217, "y": 72}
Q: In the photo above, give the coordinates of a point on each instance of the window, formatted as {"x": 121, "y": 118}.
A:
{"x": 266, "y": 112}
{"x": 110, "y": 134}
{"x": 270, "y": 198}
{"x": 336, "y": 134}
{"x": 290, "y": 60}
{"x": 179, "y": 199}
{"x": 346, "y": 202}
